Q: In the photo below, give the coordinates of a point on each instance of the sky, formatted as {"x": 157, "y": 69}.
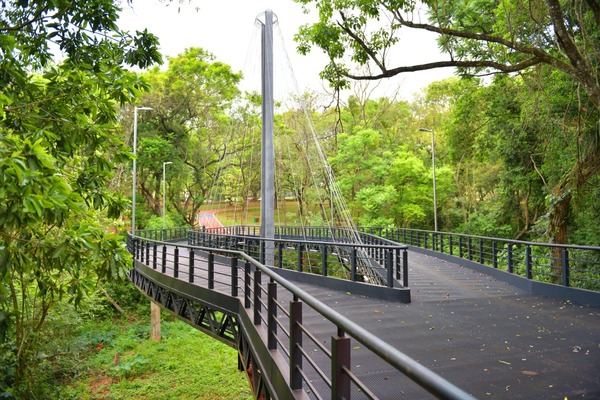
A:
{"x": 227, "y": 29}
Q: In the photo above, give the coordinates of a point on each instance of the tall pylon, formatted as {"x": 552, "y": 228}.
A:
{"x": 267, "y": 205}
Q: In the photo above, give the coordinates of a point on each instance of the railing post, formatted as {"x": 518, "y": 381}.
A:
{"x": 295, "y": 344}
{"x": 299, "y": 257}
{"x": 324, "y": 260}
{"x": 441, "y": 238}
{"x": 164, "y": 259}
{"x": 211, "y": 270}
{"x": 272, "y": 315}
{"x": 154, "y": 250}
{"x": 257, "y": 303}
{"x": 405, "y": 268}
{"x": 470, "y": 248}
{"x": 191, "y": 271}
{"x": 247, "y": 279}
{"x": 147, "y": 253}
{"x": 450, "y": 245}
{"x": 509, "y": 259}
{"x": 480, "y": 251}
{"x": 460, "y": 247}
{"x": 176, "y": 263}
{"x": 495, "y": 253}
{"x": 389, "y": 266}
{"x": 397, "y": 262}
{"x": 528, "y": 262}
{"x": 234, "y": 277}
{"x": 565, "y": 267}
{"x": 340, "y": 359}
{"x": 353, "y": 264}
{"x": 280, "y": 252}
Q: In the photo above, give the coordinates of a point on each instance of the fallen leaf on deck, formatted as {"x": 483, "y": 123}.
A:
{"x": 529, "y": 373}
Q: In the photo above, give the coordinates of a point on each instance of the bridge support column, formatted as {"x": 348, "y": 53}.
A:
{"x": 154, "y": 321}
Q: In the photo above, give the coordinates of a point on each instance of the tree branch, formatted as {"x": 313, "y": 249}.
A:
{"x": 595, "y": 7}
{"x": 362, "y": 44}
{"x": 443, "y": 64}
{"x": 536, "y": 52}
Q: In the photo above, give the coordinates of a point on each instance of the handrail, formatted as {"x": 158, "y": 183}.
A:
{"x": 563, "y": 264}
{"x": 379, "y": 261}
{"x": 139, "y": 247}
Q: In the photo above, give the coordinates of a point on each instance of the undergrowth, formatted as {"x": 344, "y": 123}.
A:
{"x": 126, "y": 364}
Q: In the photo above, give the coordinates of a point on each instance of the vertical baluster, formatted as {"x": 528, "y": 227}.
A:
{"x": 247, "y": 280}
{"x": 280, "y": 252}
{"x": 154, "y": 255}
{"x": 389, "y": 266}
{"x": 405, "y": 268}
{"x": 340, "y": 359}
{"x": 164, "y": 259}
{"x": 509, "y": 258}
{"x": 272, "y": 315}
{"x": 495, "y": 253}
{"x": 234, "y": 276}
{"x": 528, "y": 270}
{"x": 565, "y": 267}
{"x": 295, "y": 344}
{"x": 192, "y": 262}
{"x": 176, "y": 263}
{"x": 324, "y": 260}
{"x": 480, "y": 251}
{"x": 300, "y": 257}
{"x": 353, "y": 264}
{"x": 257, "y": 295}
{"x": 211, "y": 270}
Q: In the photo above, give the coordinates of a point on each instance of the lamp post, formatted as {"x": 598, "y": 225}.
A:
{"x": 435, "y": 224}
{"x": 164, "y": 185}
{"x": 135, "y": 114}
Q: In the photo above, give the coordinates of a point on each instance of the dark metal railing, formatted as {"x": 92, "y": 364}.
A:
{"x": 375, "y": 260}
{"x": 165, "y": 234}
{"x": 321, "y": 368}
{"x": 567, "y": 265}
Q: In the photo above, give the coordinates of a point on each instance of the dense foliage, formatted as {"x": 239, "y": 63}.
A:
{"x": 58, "y": 146}
{"x": 516, "y": 155}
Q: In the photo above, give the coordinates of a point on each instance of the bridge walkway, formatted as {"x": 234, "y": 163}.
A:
{"x": 486, "y": 336}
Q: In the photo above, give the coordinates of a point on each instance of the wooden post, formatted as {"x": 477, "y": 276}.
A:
{"x": 154, "y": 321}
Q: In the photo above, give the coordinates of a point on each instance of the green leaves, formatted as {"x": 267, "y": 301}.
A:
{"x": 58, "y": 148}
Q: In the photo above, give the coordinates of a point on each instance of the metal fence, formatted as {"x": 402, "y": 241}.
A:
{"x": 274, "y": 321}
{"x": 378, "y": 262}
{"x": 567, "y": 265}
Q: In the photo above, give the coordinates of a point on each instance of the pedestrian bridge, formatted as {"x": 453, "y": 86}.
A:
{"x": 384, "y": 319}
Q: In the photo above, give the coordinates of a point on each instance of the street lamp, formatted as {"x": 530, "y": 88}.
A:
{"x": 135, "y": 114}
{"x": 164, "y": 185}
{"x": 435, "y": 224}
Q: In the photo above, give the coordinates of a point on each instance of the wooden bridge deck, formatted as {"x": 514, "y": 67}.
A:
{"x": 489, "y": 338}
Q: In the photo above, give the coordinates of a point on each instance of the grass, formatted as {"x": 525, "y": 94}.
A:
{"x": 185, "y": 364}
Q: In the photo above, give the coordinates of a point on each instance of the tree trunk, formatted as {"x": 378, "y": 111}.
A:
{"x": 558, "y": 230}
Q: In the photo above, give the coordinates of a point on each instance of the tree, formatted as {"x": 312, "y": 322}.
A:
{"x": 483, "y": 36}
{"x": 558, "y": 40}
{"x": 58, "y": 146}
{"x": 192, "y": 101}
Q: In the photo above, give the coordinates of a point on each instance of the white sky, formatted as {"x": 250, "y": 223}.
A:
{"x": 226, "y": 29}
